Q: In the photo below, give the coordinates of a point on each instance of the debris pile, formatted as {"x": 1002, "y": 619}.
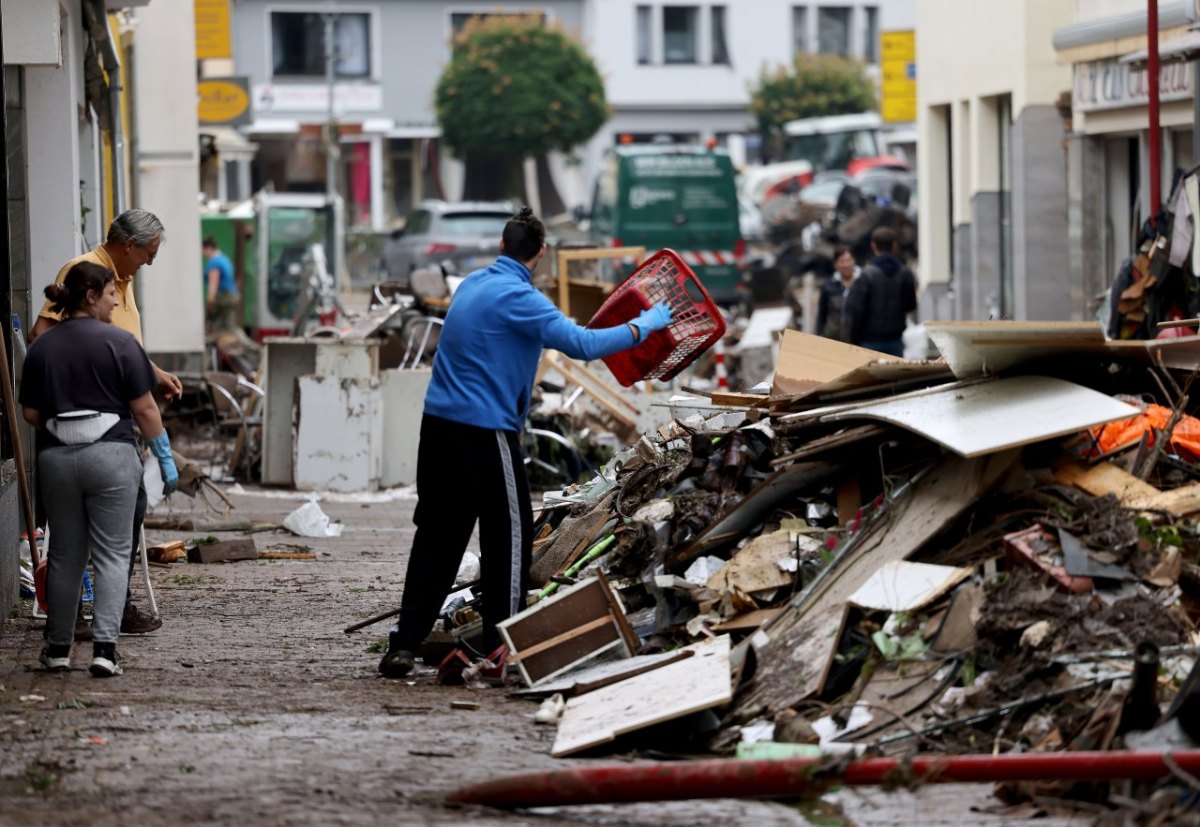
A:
{"x": 994, "y": 553}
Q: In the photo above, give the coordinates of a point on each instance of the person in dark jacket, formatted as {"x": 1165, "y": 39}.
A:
{"x": 831, "y": 305}
{"x": 469, "y": 463}
{"x": 879, "y": 301}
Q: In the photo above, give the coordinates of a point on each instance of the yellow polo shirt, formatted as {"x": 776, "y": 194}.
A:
{"x": 125, "y": 314}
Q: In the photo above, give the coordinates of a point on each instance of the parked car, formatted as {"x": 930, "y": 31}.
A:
{"x": 465, "y": 234}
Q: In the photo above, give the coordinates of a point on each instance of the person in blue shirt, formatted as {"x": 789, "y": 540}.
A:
{"x": 222, "y": 301}
{"x": 469, "y": 462}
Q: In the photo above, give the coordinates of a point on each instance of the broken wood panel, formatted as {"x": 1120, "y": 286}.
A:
{"x": 647, "y": 699}
{"x": 734, "y": 524}
{"x": 847, "y": 436}
{"x": 806, "y": 362}
{"x": 748, "y": 621}
{"x": 789, "y": 670}
{"x": 992, "y": 416}
{"x": 595, "y": 677}
{"x": 555, "y": 635}
{"x": 1103, "y": 479}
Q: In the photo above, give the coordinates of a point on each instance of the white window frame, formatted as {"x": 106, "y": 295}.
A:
{"x": 374, "y": 36}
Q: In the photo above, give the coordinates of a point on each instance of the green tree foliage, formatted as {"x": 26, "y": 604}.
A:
{"x": 515, "y": 87}
{"x": 813, "y": 86}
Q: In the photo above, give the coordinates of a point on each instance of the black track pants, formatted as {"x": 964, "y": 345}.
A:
{"x": 466, "y": 474}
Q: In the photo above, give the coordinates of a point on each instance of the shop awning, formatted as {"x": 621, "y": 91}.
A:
{"x": 1185, "y": 47}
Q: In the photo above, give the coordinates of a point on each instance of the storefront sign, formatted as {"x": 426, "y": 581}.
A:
{"x": 1110, "y": 84}
{"x": 898, "y": 64}
{"x": 292, "y": 98}
{"x": 223, "y": 101}
{"x": 213, "y": 29}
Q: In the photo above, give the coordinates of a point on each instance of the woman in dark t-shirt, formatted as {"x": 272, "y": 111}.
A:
{"x": 84, "y": 384}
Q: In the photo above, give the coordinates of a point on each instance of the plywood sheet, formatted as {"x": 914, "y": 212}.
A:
{"x": 974, "y": 348}
{"x": 998, "y": 414}
{"x": 647, "y": 699}
{"x": 1102, "y": 479}
{"x": 590, "y": 678}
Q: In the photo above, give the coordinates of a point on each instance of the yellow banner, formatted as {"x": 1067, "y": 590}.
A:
{"x": 213, "y": 39}
{"x": 223, "y": 101}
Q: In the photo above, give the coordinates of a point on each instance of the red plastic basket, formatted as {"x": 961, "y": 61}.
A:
{"x": 696, "y": 322}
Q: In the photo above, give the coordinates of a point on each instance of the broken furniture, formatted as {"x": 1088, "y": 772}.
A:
{"x": 586, "y": 295}
{"x": 574, "y": 626}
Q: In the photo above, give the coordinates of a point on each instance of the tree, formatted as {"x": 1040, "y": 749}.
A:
{"x": 515, "y": 89}
{"x": 814, "y": 85}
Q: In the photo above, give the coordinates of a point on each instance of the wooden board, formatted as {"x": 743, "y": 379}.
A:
{"x": 747, "y": 622}
{"x": 992, "y": 416}
{"x": 738, "y": 400}
{"x": 647, "y": 699}
{"x": 789, "y": 669}
{"x": 591, "y": 678}
{"x": 806, "y": 362}
{"x": 226, "y": 551}
{"x": 974, "y": 348}
{"x": 1103, "y": 479}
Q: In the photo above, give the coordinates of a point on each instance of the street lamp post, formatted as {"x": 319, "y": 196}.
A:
{"x": 331, "y": 128}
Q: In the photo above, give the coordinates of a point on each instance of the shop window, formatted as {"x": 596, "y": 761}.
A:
{"x": 679, "y": 34}
{"x": 298, "y": 44}
{"x": 720, "y": 49}
{"x": 833, "y": 30}
{"x": 644, "y": 35}
{"x": 799, "y": 30}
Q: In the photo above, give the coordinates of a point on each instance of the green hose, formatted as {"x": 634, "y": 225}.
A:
{"x": 590, "y": 555}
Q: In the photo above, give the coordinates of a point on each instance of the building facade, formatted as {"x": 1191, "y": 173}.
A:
{"x": 992, "y": 169}
{"x": 673, "y": 69}
{"x": 1108, "y": 144}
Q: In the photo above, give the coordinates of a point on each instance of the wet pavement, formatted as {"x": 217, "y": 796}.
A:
{"x": 251, "y": 706}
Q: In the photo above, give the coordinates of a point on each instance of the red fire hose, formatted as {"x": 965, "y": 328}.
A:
{"x": 728, "y": 778}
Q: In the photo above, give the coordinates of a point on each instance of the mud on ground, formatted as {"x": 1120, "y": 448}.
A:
{"x": 250, "y": 706}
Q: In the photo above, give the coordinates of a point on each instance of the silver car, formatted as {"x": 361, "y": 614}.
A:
{"x": 466, "y": 235}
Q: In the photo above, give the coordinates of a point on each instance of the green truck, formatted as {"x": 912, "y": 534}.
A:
{"x": 677, "y": 197}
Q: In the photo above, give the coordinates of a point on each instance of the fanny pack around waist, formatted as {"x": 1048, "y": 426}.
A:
{"x": 81, "y": 427}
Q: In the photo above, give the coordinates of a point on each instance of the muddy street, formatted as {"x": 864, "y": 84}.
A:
{"x": 250, "y": 706}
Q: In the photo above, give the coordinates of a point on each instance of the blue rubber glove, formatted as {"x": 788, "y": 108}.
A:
{"x": 648, "y": 321}
{"x": 160, "y": 446}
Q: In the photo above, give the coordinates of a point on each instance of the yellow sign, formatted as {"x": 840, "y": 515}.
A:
{"x": 223, "y": 101}
{"x": 898, "y": 81}
{"x": 212, "y": 29}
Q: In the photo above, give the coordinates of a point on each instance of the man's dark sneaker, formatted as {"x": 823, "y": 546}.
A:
{"x": 55, "y": 658}
{"x": 83, "y": 629}
{"x": 133, "y": 622}
{"x": 397, "y": 663}
{"x": 104, "y": 661}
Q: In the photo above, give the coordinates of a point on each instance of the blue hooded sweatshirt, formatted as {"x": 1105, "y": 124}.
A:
{"x": 489, "y": 347}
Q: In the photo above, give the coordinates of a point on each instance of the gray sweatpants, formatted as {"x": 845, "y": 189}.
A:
{"x": 89, "y": 492}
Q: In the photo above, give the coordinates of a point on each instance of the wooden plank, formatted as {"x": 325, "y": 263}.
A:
{"x": 226, "y": 551}
{"x": 1103, "y": 479}
{"x": 972, "y": 348}
{"x": 599, "y": 386}
{"x": 847, "y": 436}
{"x": 789, "y": 657}
{"x": 999, "y": 414}
{"x": 647, "y": 699}
{"x": 287, "y": 555}
{"x": 632, "y": 643}
{"x": 748, "y": 621}
{"x": 739, "y": 400}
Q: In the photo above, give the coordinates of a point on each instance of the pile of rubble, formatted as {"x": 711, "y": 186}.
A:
{"x": 991, "y": 553}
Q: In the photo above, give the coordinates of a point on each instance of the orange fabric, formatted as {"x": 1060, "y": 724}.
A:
{"x": 1128, "y": 431}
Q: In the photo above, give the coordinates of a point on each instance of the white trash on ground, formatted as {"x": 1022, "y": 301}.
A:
{"x": 310, "y": 521}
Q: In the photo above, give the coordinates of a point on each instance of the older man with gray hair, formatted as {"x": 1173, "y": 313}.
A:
{"x": 133, "y": 241}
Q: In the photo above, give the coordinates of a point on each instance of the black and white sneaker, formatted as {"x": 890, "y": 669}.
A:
{"x": 104, "y": 661}
{"x": 55, "y": 658}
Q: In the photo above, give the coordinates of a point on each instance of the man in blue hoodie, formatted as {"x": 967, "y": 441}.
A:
{"x": 880, "y": 300}
{"x": 469, "y": 463}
